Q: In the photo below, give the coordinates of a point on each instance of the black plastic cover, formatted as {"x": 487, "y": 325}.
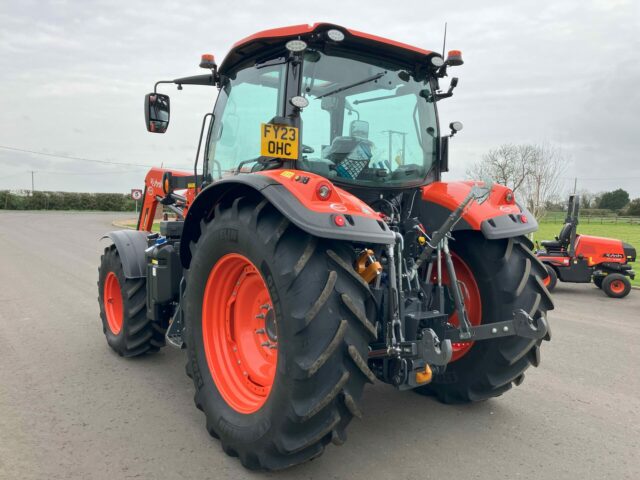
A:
{"x": 131, "y": 245}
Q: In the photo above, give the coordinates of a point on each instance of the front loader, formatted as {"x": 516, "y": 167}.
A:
{"x": 315, "y": 248}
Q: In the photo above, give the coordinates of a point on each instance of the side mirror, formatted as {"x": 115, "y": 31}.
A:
{"x": 156, "y": 112}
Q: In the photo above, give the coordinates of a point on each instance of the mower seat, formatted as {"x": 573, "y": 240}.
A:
{"x": 551, "y": 244}
{"x": 562, "y": 240}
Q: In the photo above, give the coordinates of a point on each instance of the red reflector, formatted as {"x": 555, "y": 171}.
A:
{"x": 524, "y": 219}
{"x": 339, "y": 220}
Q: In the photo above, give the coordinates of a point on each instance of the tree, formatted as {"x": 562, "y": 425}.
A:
{"x": 615, "y": 200}
{"x": 634, "y": 207}
{"x": 506, "y": 165}
{"x": 532, "y": 171}
{"x": 586, "y": 198}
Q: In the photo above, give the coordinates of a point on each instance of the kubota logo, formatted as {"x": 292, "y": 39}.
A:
{"x": 338, "y": 207}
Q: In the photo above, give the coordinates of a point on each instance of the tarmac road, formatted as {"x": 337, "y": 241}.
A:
{"x": 71, "y": 408}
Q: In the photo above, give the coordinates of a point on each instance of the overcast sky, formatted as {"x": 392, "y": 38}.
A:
{"x": 73, "y": 75}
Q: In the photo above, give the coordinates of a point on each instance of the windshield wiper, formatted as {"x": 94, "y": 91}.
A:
{"x": 347, "y": 87}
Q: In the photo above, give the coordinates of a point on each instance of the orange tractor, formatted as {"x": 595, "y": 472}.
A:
{"x": 315, "y": 248}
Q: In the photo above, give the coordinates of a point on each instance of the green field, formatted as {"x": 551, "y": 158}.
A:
{"x": 627, "y": 233}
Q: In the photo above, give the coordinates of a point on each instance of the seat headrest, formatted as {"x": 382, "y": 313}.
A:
{"x": 359, "y": 129}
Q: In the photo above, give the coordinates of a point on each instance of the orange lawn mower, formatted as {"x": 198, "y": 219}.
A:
{"x": 578, "y": 258}
{"x": 317, "y": 249}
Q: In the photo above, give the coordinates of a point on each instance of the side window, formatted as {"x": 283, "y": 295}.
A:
{"x": 250, "y": 100}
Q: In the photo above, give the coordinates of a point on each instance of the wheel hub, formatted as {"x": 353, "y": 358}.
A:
{"x": 112, "y": 299}
{"x": 239, "y": 333}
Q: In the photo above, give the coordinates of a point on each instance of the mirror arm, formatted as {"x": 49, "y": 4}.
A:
{"x": 206, "y": 80}
{"x": 155, "y": 87}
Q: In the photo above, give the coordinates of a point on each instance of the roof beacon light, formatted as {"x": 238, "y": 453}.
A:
{"x": 335, "y": 35}
{"x": 296, "y": 46}
{"x": 207, "y": 61}
{"x": 454, "y": 58}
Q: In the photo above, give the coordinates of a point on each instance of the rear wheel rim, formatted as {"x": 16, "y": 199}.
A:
{"x": 617, "y": 286}
{"x": 472, "y": 302}
{"x": 239, "y": 333}
{"x": 113, "y": 303}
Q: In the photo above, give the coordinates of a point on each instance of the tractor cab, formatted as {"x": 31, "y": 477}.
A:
{"x": 339, "y": 103}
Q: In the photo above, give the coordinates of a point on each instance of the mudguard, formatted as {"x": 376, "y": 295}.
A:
{"x": 294, "y": 194}
{"x": 131, "y": 245}
{"x": 498, "y": 217}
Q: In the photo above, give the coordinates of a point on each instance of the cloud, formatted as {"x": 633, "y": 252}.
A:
{"x": 74, "y": 74}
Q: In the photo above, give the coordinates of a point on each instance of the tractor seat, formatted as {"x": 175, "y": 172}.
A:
{"x": 551, "y": 244}
{"x": 562, "y": 240}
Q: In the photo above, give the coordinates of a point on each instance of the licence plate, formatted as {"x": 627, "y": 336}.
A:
{"x": 279, "y": 141}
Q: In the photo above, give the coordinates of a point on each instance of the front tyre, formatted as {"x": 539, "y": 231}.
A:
{"x": 616, "y": 285}
{"x": 506, "y": 276}
{"x": 277, "y": 332}
{"x": 123, "y": 309}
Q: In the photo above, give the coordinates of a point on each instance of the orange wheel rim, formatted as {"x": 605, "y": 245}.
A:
{"x": 112, "y": 295}
{"x": 239, "y": 333}
{"x": 472, "y": 302}
{"x": 617, "y": 286}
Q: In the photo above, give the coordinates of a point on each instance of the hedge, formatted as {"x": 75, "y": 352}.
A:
{"x": 23, "y": 200}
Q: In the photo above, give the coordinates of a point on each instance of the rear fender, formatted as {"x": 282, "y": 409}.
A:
{"x": 131, "y": 245}
{"x": 495, "y": 218}
{"x": 293, "y": 193}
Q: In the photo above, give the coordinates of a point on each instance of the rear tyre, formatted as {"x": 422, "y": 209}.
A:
{"x": 616, "y": 285}
{"x": 597, "y": 281}
{"x": 123, "y": 309}
{"x": 315, "y": 316}
{"x": 509, "y": 277}
{"x": 552, "y": 278}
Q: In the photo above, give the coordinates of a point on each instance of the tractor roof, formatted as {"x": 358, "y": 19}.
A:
{"x": 262, "y": 42}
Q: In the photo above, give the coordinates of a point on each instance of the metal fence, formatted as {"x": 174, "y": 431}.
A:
{"x": 559, "y": 217}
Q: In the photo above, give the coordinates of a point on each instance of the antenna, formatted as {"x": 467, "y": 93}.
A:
{"x": 444, "y": 42}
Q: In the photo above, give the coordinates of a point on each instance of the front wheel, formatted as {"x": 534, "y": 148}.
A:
{"x": 616, "y": 285}
{"x": 497, "y": 278}
{"x": 277, "y": 332}
{"x": 123, "y": 309}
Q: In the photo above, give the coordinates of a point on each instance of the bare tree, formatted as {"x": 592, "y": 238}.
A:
{"x": 506, "y": 165}
{"x": 532, "y": 171}
{"x": 547, "y": 163}
{"x": 586, "y": 197}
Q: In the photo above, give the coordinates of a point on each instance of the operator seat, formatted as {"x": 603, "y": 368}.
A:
{"x": 351, "y": 154}
{"x": 562, "y": 240}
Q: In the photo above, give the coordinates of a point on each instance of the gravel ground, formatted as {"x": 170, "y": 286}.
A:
{"x": 71, "y": 408}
